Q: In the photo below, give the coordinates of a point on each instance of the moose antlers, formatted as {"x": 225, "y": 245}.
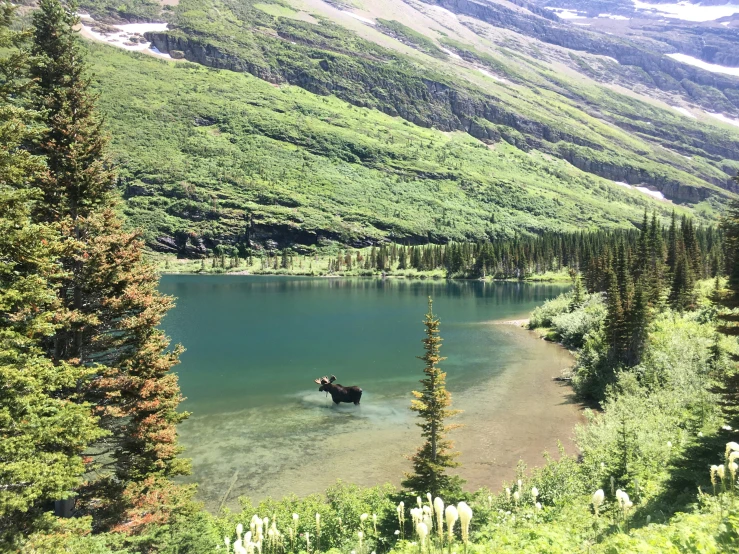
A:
{"x": 325, "y": 380}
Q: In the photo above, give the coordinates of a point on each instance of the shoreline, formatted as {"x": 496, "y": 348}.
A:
{"x": 418, "y": 277}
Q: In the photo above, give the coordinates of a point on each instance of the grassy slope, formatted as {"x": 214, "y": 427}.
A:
{"x": 199, "y": 148}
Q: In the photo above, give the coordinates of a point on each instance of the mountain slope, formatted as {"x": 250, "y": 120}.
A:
{"x": 536, "y": 109}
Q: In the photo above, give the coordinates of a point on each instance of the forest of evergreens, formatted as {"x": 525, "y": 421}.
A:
{"x": 89, "y": 404}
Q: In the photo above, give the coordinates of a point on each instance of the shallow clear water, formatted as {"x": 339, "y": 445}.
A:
{"x": 254, "y": 345}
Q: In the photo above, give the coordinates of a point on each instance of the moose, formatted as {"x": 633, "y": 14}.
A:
{"x": 338, "y": 393}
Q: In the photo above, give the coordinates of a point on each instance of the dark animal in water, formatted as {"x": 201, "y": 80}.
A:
{"x": 338, "y": 393}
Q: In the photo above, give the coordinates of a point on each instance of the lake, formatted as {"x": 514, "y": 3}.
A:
{"x": 259, "y": 426}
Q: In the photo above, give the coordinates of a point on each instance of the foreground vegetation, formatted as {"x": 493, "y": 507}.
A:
{"x": 644, "y": 480}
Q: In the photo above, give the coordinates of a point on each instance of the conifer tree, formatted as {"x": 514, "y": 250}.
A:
{"x": 432, "y": 461}
{"x": 637, "y": 321}
{"x": 729, "y": 299}
{"x": 681, "y": 290}
{"x": 109, "y": 304}
{"x": 578, "y": 292}
{"x": 615, "y": 317}
{"x": 402, "y": 261}
{"x": 42, "y": 434}
{"x": 672, "y": 246}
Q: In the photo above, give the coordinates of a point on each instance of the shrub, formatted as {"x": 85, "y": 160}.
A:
{"x": 543, "y": 315}
{"x": 573, "y": 327}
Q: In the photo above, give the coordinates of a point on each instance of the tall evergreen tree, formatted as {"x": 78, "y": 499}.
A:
{"x": 672, "y": 246}
{"x": 42, "y": 433}
{"x": 110, "y": 307}
{"x": 432, "y": 461}
{"x": 681, "y": 289}
{"x": 729, "y": 299}
{"x": 614, "y": 324}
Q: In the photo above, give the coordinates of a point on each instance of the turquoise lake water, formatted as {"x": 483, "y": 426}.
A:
{"x": 255, "y": 344}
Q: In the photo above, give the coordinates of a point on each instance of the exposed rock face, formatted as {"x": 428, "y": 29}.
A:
{"x": 202, "y": 52}
{"x": 667, "y": 74}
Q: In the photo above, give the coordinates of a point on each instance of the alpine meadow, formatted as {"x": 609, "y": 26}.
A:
{"x": 369, "y": 276}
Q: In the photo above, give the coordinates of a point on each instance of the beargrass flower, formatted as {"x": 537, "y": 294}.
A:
{"x": 516, "y": 496}
{"x": 465, "y": 516}
{"x": 422, "y": 530}
{"x": 508, "y": 494}
{"x": 538, "y": 505}
{"x": 451, "y": 518}
{"x": 439, "y": 510}
{"x": 534, "y": 492}
{"x": 598, "y": 498}
{"x": 623, "y": 501}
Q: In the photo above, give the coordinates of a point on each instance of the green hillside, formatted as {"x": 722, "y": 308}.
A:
{"x": 318, "y": 128}
{"x": 201, "y": 150}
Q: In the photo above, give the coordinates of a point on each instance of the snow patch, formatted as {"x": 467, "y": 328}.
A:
{"x": 358, "y": 17}
{"x": 687, "y": 11}
{"x": 452, "y": 54}
{"x": 612, "y": 16}
{"x": 654, "y": 193}
{"x": 724, "y": 118}
{"x": 449, "y": 15}
{"x": 129, "y": 36}
{"x": 685, "y": 111}
{"x": 712, "y": 67}
{"x": 488, "y": 74}
{"x": 563, "y": 13}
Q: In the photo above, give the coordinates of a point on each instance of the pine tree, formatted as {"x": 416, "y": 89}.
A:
{"x": 614, "y": 323}
{"x": 681, "y": 290}
{"x": 110, "y": 308}
{"x": 637, "y": 320}
{"x": 42, "y": 434}
{"x": 672, "y": 246}
{"x": 728, "y": 299}
{"x": 435, "y": 457}
{"x": 402, "y": 261}
{"x": 578, "y": 292}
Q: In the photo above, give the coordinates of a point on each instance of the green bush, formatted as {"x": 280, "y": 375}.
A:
{"x": 573, "y": 327}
